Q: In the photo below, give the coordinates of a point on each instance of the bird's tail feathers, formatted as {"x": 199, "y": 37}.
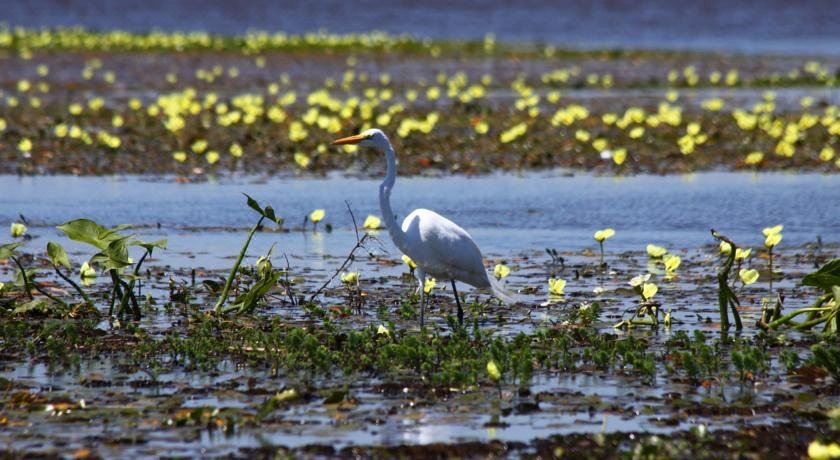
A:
{"x": 501, "y": 292}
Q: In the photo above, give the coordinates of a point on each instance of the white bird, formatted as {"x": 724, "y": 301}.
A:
{"x": 439, "y": 247}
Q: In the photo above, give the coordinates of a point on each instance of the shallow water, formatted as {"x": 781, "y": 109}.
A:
{"x": 504, "y": 213}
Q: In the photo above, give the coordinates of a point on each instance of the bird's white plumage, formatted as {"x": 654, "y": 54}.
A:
{"x": 438, "y": 246}
{"x": 443, "y": 249}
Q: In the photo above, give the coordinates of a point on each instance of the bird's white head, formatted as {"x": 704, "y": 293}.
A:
{"x": 367, "y": 138}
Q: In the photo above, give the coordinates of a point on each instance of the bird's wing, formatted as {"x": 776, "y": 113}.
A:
{"x": 443, "y": 248}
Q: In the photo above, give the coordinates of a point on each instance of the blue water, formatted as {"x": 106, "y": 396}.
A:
{"x": 504, "y": 213}
{"x": 778, "y": 26}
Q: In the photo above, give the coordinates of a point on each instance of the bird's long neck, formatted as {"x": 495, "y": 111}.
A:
{"x": 385, "y": 199}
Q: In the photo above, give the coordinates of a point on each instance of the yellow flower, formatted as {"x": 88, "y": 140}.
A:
{"x": 742, "y": 254}
{"x": 236, "y": 150}
{"x": 773, "y": 230}
{"x": 639, "y": 280}
{"x": 372, "y": 222}
{"x": 180, "y": 156}
{"x": 754, "y": 158}
{"x": 199, "y": 146}
{"x": 87, "y": 274}
{"x": 602, "y": 235}
{"x": 382, "y": 330}
{"x": 302, "y": 160}
{"x": 649, "y": 290}
{"x": 429, "y": 284}
{"x": 407, "y": 260}
{"x": 619, "y": 156}
{"x": 772, "y": 240}
{"x": 748, "y": 276}
{"x": 556, "y": 286}
{"x": 827, "y": 153}
{"x": 501, "y": 271}
{"x": 481, "y": 127}
{"x": 672, "y": 262}
{"x": 819, "y": 451}
{"x": 725, "y": 248}
{"x": 18, "y": 230}
{"x": 212, "y": 156}
{"x": 350, "y": 277}
{"x": 655, "y": 251}
{"x": 317, "y": 215}
{"x": 25, "y": 145}
{"x": 493, "y": 371}
{"x": 637, "y": 132}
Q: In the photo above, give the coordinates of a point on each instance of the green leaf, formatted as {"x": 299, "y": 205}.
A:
{"x": 249, "y": 300}
{"x": 8, "y": 250}
{"x": 58, "y": 255}
{"x": 88, "y": 231}
{"x": 160, "y": 244}
{"x": 269, "y": 212}
{"x": 252, "y": 203}
{"x": 826, "y": 277}
{"x": 115, "y": 256}
{"x": 39, "y": 305}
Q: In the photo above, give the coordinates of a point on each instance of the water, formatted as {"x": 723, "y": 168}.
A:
{"x": 504, "y": 213}
{"x": 767, "y": 26}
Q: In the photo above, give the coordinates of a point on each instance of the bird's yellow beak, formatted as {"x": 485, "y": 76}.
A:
{"x": 349, "y": 140}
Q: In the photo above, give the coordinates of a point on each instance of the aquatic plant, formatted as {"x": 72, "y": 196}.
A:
{"x": 726, "y": 296}
{"x": 601, "y": 236}
{"x": 248, "y": 300}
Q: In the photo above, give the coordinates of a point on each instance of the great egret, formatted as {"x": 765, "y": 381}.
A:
{"x": 438, "y": 246}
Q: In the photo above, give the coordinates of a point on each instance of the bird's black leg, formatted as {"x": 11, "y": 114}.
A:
{"x": 458, "y": 302}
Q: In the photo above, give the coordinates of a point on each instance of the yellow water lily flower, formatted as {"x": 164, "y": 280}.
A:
{"x": 672, "y": 262}
{"x": 649, "y": 290}
{"x": 754, "y": 158}
{"x": 725, "y": 248}
{"x": 493, "y": 371}
{"x": 302, "y": 160}
{"x": 742, "y": 254}
{"x": 773, "y": 230}
{"x": 236, "y": 150}
{"x": 639, "y": 280}
{"x": 87, "y": 274}
{"x": 350, "y": 277}
{"x": 619, "y": 156}
{"x": 25, "y": 145}
{"x": 382, "y": 330}
{"x": 372, "y": 222}
{"x": 18, "y": 230}
{"x": 748, "y": 276}
{"x": 772, "y": 240}
{"x": 212, "y": 157}
{"x": 429, "y": 284}
{"x": 655, "y": 251}
{"x": 556, "y": 286}
{"x": 501, "y": 271}
{"x": 407, "y": 260}
{"x": 180, "y": 156}
{"x": 820, "y": 451}
{"x": 317, "y": 215}
{"x": 604, "y": 234}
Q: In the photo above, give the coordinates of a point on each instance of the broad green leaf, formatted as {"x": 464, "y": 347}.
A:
{"x": 826, "y": 277}
{"x": 8, "y": 250}
{"x": 160, "y": 244}
{"x": 269, "y": 212}
{"x": 88, "y": 231}
{"x": 40, "y": 305}
{"x": 58, "y": 255}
